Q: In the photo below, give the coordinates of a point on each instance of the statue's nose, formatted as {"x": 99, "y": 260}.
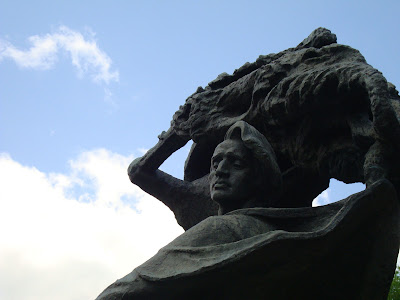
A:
{"x": 223, "y": 168}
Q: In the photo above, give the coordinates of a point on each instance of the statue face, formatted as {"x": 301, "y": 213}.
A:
{"x": 231, "y": 174}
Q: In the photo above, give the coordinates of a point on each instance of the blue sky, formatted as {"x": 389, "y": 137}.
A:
{"x": 102, "y": 81}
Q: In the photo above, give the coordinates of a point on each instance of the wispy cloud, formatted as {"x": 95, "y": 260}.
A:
{"x": 89, "y": 223}
{"x": 85, "y": 54}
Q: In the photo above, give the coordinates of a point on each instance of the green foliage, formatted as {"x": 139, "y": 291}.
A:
{"x": 394, "y": 293}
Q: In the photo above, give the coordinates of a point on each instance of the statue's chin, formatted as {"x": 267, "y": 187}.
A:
{"x": 221, "y": 197}
{"x": 227, "y": 202}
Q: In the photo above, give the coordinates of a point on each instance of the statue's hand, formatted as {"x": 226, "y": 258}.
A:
{"x": 145, "y": 166}
{"x": 179, "y": 119}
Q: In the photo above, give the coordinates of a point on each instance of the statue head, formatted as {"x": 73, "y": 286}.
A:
{"x": 244, "y": 172}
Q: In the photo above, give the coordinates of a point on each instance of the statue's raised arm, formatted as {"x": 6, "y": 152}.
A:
{"x": 189, "y": 200}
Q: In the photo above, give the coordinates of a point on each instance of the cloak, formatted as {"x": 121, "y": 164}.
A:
{"x": 344, "y": 250}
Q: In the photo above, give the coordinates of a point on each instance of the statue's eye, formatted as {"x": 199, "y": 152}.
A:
{"x": 238, "y": 164}
{"x": 215, "y": 163}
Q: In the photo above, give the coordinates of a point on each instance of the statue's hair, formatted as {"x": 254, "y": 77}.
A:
{"x": 264, "y": 157}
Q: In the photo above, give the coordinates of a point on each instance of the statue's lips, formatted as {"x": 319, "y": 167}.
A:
{"x": 220, "y": 185}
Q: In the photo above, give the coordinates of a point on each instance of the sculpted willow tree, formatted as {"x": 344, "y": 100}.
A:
{"x": 267, "y": 140}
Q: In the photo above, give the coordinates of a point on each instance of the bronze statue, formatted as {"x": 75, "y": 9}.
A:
{"x": 290, "y": 121}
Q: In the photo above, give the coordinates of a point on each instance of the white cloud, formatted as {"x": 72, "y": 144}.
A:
{"x": 68, "y": 236}
{"x": 322, "y": 199}
{"x": 85, "y": 55}
{"x": 143, "y": 151}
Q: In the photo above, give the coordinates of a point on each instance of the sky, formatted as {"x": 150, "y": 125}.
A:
{"x": 87, "y": 86}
